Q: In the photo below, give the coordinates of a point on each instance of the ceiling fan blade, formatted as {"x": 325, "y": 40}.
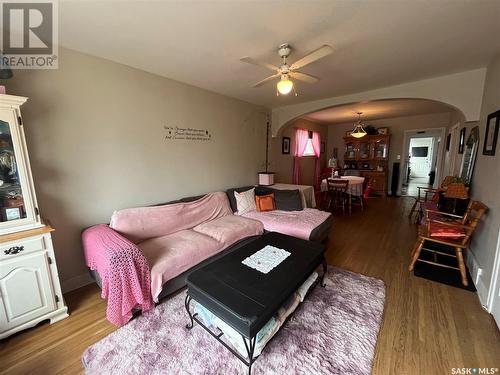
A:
{"x": 249, "y": 60}
{"x": 312, "y": 57}
{"x": 266, "y": 80}
{"x": 304, "y": 77}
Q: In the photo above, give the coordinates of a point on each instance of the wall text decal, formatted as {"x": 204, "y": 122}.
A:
{"x": 187, "y": 134}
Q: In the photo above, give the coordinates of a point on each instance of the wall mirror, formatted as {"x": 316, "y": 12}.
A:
{"x": 470, "y": 152}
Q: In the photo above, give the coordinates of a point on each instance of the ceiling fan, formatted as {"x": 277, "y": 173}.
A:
{"x": 285, "y": 71}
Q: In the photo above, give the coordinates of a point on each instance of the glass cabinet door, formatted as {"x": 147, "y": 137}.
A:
{"x": 350, "y": 150}
{"x": 364, "y": 150}
{"x": 17, "y": 210}
{"x": 11, "y": 195}
{"x": 381, "y": 149}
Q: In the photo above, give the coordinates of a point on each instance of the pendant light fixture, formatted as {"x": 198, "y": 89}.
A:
{"x": 358, "y": 131}
{"x": 285, "y": 85}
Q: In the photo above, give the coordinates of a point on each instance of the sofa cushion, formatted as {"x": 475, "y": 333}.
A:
{"x": 265, "y": 202}
{"x": 170, "y": 255}
{"x": 232, "y": 199}
{"x": 245, "y": 201}
{"x": 142, "y": 223}
{"x": 229, "y": 229}
{"x": 300, "y": 224}
{"x": 288, "y": 200}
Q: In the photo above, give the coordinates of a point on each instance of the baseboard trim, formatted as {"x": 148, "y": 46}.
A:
{"x": 476, "y": 272}
{"x": 76, "y": 282}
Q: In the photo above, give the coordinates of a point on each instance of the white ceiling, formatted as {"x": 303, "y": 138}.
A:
{"x": 377, "y": 43}
{"x": 378, "y": 109}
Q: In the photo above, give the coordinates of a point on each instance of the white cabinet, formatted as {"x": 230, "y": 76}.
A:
{"x": 30, "y": 291}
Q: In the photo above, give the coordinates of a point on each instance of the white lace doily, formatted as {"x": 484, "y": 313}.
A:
{"x": 266, "y": 259}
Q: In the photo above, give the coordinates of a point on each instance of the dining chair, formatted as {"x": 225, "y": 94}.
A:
{"x": 451, "y": 231}
{"x": 322, "y": 196}
{"x": 337, "y": 193}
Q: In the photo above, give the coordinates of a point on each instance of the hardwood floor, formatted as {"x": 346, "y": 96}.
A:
{"x": 428, "y": 328}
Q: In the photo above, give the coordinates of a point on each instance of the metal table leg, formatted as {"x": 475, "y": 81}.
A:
{"x": 325, "y": 268}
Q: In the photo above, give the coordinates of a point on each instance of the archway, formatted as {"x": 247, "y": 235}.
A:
{"x": 421, "y": 115}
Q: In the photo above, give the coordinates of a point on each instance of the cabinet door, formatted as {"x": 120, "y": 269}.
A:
{"x": 381, "y": 149}
{"x": 16, "y": 195}
{"x": 364, "y": 150}
{"x": 25, "y": 289}
{"x": 350, "y": 150}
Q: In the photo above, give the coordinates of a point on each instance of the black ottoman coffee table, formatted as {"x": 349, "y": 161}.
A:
{"x": 246, "y": 298}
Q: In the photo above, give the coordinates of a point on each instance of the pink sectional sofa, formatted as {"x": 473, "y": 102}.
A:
{"x": 169, "y": 240}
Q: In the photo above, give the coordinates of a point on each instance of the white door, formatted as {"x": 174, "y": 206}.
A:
{"x": 421, "y": 157}
{"x": 420, "y": 166}
{"x": 25, "y": 289}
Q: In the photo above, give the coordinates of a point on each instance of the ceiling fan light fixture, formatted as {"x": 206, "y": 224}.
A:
{"x": 284, "y": 85}
{"x": 358, "y": 131}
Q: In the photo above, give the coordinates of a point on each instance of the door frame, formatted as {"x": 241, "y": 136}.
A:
{"x": 422, "y": 133}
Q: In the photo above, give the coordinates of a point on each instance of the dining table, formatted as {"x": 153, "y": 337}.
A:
{"x": 355, "y": 186}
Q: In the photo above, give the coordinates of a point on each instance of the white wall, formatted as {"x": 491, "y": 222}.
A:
{"x": 485, "y": 186}
{"x": 95, "y": 133}
{"x": 397, "y": 127}
{"x": 461, "y": 90}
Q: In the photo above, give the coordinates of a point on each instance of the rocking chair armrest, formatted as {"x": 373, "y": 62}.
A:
{"x": 426, "y": 191}
{"x": 443, "y": 213}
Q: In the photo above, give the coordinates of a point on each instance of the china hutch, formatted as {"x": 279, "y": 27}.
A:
{"x": 369, "y": 155}
{"x": 30, "y": 291}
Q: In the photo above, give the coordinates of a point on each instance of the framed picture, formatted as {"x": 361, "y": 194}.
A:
{"x": 461, "y": 141}
{"x": 383, "y": 131}
{"x": 491, "y": 135}
{"x": 323, "y": 148}
{"x": 11, "y": 213}
{"x": 285, "y": 145}
{"x": 448, "y": 140}
{"x": 348, "y": 133}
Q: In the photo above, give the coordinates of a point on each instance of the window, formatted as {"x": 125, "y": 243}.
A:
{"x": 309, "y": 151}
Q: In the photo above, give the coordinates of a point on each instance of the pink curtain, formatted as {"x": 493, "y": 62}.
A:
{"x": 301, "y": 138}
{"x": 316, "y": 142}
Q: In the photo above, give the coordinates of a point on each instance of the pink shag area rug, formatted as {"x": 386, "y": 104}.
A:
{"x": 334, "y": 331}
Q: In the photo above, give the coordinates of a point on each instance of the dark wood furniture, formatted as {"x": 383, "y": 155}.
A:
{"x": 245, "y": 298}
{"x": 370, "y": 155}
{"x": 336, "y": 194}
{"x": 464, "y": 225}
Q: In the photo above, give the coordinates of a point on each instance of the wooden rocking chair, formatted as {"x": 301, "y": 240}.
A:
{"x": 454, "y": 232}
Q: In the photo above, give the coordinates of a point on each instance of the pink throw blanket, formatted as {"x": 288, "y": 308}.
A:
{"x": 123, "y": 269}
{"x": 142, "y": 223}
{"x": 298, "y": 224}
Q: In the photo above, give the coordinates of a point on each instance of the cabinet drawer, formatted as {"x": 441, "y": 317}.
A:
{"x": 12, "y": 249}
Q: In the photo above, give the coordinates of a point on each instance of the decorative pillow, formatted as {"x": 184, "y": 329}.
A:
{"x": 288, "y": 200}
{"x": 438, "y": 230}
{"x": 265, "y": 202}
{"x": 245, "y": 201}
{"x": 231, "y": 197}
